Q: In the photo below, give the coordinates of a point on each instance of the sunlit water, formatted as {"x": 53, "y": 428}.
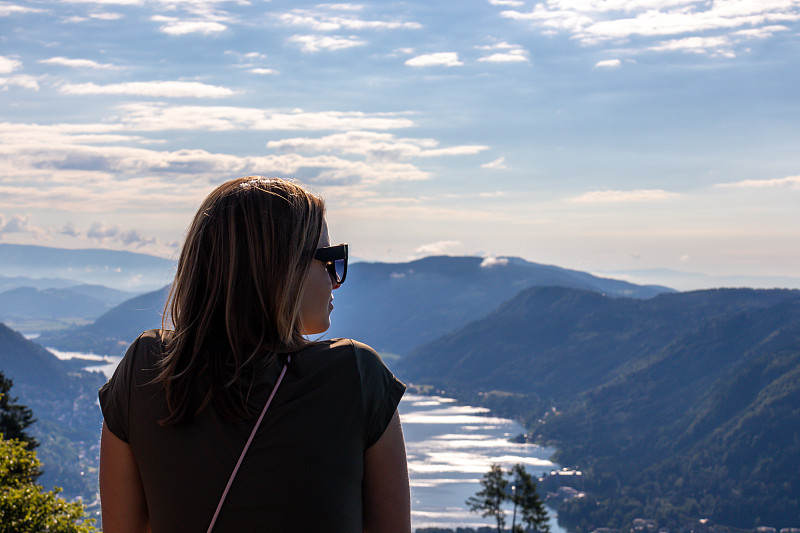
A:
{"x": 449, "y": 446}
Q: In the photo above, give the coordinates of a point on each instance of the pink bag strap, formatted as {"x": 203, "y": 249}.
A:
{"x": 247, "y": 445}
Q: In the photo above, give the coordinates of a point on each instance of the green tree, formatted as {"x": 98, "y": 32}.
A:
{"x": 489, "y": 500}
{"x": 525, "y": 497}
{"x": 14, "y": 418}
{"x": 24, "y": 506}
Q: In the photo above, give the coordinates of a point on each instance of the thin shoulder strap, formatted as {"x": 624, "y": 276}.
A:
{"x": 247, "y": 445}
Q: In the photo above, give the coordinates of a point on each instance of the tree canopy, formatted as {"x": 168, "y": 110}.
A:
{"x": 517, "y": 487}
{"x": 14, "y": 418}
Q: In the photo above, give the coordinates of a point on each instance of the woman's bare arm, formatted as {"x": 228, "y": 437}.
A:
{"x": 122, "y": 498}
{"x": 387, "y": 502}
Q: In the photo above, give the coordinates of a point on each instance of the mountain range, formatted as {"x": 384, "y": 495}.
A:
{"x": 682, "y": 405}
{"x": 122, "y": 270}
{"x": 676, "y": 406}
{"x": 394, "y": 307}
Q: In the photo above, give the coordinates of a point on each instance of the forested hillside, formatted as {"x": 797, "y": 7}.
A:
{"x": 681, "y": 406}
{"x": 64, "y": 402}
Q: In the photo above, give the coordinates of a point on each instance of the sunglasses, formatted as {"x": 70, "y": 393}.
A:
{"x": 335, "y": 259}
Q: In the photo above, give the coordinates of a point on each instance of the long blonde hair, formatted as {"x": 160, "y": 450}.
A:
{"x": 235, "y": 301}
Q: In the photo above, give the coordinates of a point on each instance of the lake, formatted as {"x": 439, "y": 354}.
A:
{"x": 449, "y": 445}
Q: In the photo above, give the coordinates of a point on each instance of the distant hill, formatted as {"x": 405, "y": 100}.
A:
{"x": 683, "y": 405}
{"x": 118, "y": 269}
{"x": 13, "y": 282}
{"x": 396, "y": 307}
{"x": 392, "y": 306}
{"x": 64, "y": 402}
{"x": 112, "y": 332}
{"x": 81, "y": 301}
{"x": 684, "y": 281}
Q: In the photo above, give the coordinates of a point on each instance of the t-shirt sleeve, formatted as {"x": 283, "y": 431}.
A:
{"x": 381, "y": 392}
{"x": 115, "y": 394}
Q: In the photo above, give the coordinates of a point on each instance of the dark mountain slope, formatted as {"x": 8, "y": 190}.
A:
{"x": 679, "y": 407}
{"x": 28, "y": 364}
{"x": 559, "y": 342}
{"x": 396, "y": 307}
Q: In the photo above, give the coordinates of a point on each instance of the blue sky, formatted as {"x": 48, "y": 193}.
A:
{"x": 601, "y": 135}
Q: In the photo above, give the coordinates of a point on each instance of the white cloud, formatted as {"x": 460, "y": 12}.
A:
{"x": 159, "y": 116}
{"x": 510, "y": 3}
{"x": 263, "y": 71}
{"x": 443, "y": 59}
{"x": 320, "y": 21}
{"x": 436, "y": 248}
{"x": 19, "y": 224}
{"x": 698, "y": 45}
{"x": 612, "y": 196}
{"x": 9, "y": 64}
{"x": 20, "y": 80}
{"x": 69, "y": 229}
{"x": 105, "y": 16}
{"x": 342, "y": 7}
{"x": 107, "y": 2}
{"x": 504, "y": 53}
{"x": 514, "y": 56}
{"x": 174, "y": 26}
{"x": 499, "y": 163}
{"x": 317, "y": 43}
{"x": 788, "y": 182}
{"x": 608, "y": 63}
{"x": 596, "y": 22}
{"x": 100, "y": 232}
{"x": 99, "y": 168}
{"x": 8, "y": 9}
{"x": 161, "y": 89}
{"x": 76, "y": 63}
{"x": 492, "y": 261}
{"x": 503, "y": 45}
{"x": 372, "y": 145}
{"x": 761, "y": 33}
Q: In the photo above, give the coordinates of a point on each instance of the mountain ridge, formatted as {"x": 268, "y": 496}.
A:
{"x": 686, "y": 405}
{"x": 379, "y": 304}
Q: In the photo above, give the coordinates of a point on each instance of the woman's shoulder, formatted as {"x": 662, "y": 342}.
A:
{"x": 344, "y": 347}
{"x": 148, "y": 347}
{"x": 366, "y": 359}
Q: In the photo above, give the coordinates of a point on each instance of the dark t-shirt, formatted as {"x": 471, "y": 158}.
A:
{"x": 303, "y": 471}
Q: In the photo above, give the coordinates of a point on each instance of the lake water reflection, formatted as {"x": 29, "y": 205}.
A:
{"x": 450, "y": 447}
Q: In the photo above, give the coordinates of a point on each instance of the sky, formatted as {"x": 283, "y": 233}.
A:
{"x": 610, "y": 136}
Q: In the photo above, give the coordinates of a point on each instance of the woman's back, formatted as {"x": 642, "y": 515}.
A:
{"x": 304, "y": 469}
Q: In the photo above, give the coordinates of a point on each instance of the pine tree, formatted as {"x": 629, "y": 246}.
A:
{"x": 525, "y": 496}
{"x": 490, "y": 498}
{"x": 14, "y": 418}
{"x": 518, "y": 487}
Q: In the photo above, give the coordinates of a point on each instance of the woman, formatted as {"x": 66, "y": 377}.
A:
{"x": 254, "y": 278}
